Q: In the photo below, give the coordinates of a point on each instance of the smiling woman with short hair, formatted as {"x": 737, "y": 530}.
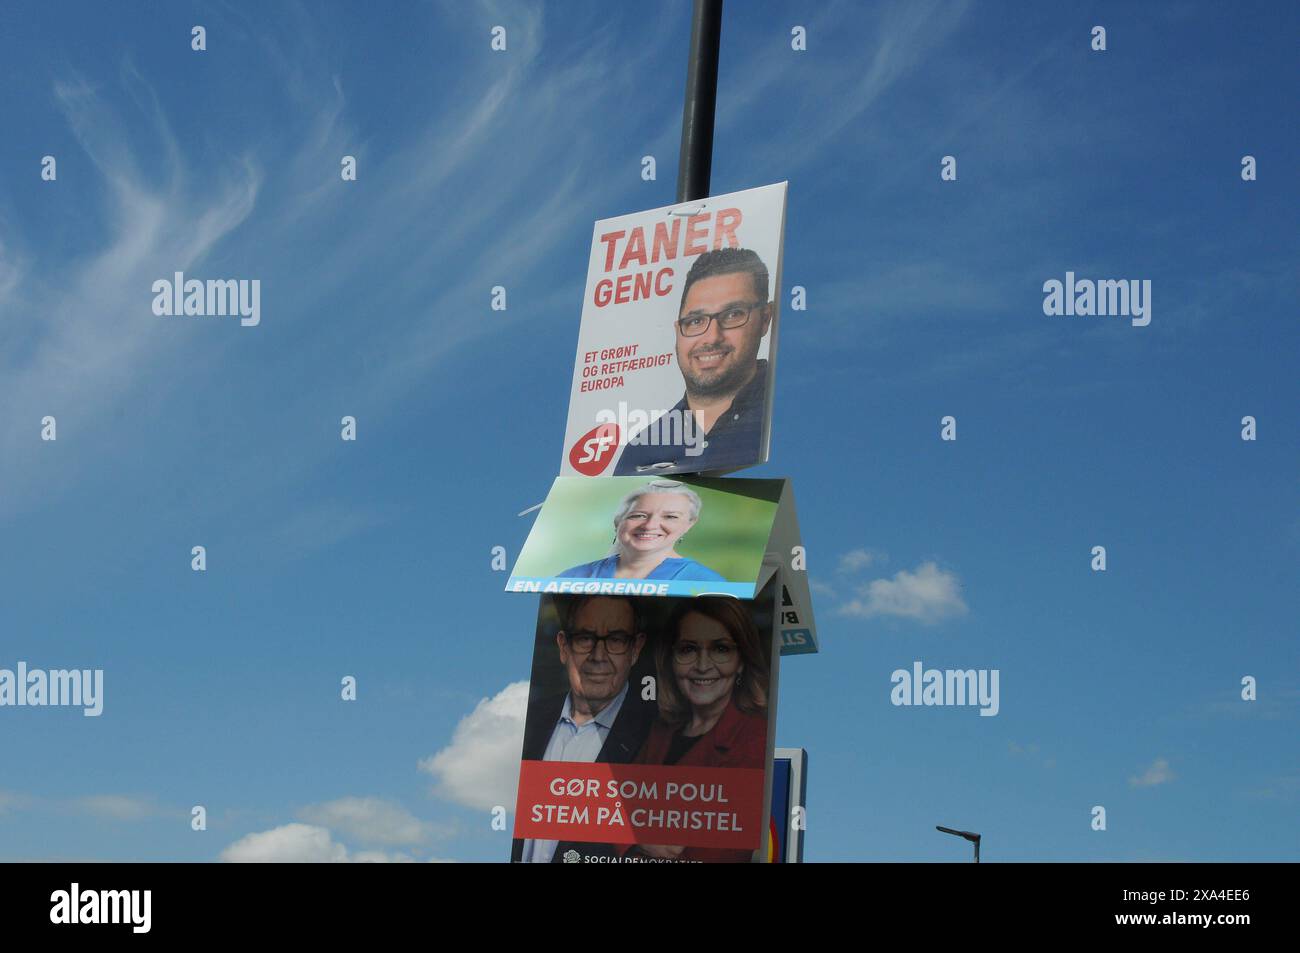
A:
{"x": 648, "y": 525}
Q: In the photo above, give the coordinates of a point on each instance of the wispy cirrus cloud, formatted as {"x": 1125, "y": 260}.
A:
{"x": 81, "y": 336}
{"x": 450, "y": 193}
{"x": 1286, "y": 788}
{"x": 119, "y": 807}
{"x": 12, "y": 801}
{"x": 1271, "y": 702}
{"x": 897, "y": 39}
{"x": 106, "y": 807}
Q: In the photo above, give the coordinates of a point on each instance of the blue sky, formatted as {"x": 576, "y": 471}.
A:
{"x": 478, "y": 168}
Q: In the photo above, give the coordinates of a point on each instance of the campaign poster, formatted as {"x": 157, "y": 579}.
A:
{"x": 648, "y": 732}
{"x": 789, "y": 800}
{"x": 676, "y": 352}
{"x": 653, "y": 536}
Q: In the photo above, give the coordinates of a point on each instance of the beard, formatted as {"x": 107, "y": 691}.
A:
{"x": 719, "y": 382}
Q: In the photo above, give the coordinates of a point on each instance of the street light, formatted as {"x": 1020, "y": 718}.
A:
{"x": 695, "y": 163}
{"x": 972, "y": 837}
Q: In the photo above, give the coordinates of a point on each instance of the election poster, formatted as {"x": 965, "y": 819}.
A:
{"x": 677, "y": 348}
{"x": 648, "y": 735}
{"x": 789, "y": 806}
{"x": 652, "y": 536}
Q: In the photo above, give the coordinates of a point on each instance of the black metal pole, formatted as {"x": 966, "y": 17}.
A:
{"x": 695, "y": 164}
{"x": 969, "y": 835}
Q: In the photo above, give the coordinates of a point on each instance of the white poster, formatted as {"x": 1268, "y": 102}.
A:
{"x": 677, "y": 350}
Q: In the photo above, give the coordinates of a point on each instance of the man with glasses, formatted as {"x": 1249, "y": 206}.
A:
{"x": 723, "y": 318}
{"x": 599, "y": 719}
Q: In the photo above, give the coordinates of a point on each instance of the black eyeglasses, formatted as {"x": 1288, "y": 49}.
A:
{"x": 616, "y": 643}
{"x": 697, "y": 322}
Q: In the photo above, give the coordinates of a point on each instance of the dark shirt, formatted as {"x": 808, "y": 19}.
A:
{"x": 679, "y": 746}
{"x": 734, "y": 441}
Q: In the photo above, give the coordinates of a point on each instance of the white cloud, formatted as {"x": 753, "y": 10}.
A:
{"x": 9, "y": 801}
{"x": 380, "y": 857}
{"x": 856, "y": 559}
{"x": 480, "y": 768}
{"x": 116, "y": 807}
{"x": 110, "y": 807}
{"x": 302, "y": 844}
{"x": 369, "y": 820}
{"x": 288, "y": 844}
{"x": 1158, "y": 773}
{"x": 928, "y": 595}
{"x": 820, "y": 588}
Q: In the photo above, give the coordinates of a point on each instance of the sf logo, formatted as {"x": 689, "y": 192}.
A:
{"x": 594, "y": 451}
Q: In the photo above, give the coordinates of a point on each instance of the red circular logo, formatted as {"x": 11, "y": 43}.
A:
{"x": 595, "y": 450}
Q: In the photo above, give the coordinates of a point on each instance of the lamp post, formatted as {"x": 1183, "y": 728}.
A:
{"x": 970, "y": 836}
{"x": 695, "y": 162}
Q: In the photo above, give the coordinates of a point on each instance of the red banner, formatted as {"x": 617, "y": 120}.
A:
{"x": 640, "y": 804}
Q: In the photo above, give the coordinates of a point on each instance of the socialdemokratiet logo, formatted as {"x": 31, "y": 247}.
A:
{"x": 595, "y": 450}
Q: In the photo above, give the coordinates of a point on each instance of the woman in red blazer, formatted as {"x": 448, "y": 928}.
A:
{"x": 712, "y": 694}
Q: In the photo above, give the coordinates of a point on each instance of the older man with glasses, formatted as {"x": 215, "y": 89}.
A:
{"x": 723, "y": 318}
{"x": 595, "y": 721}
